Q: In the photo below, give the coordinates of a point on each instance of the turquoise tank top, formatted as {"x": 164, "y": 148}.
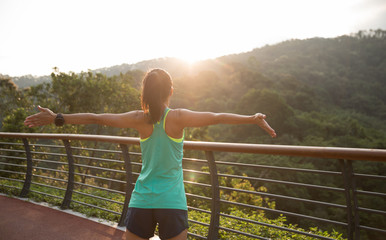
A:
{"x": 160, "y": 183}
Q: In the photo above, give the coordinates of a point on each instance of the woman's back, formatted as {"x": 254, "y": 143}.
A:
{"x": 160, "y": 184}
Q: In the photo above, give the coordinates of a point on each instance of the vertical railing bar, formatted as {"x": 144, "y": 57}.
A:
{"x": 355, "y": 200}
{"x": 70, "y": 181}
{"x": 28, "y": 176}
{"x": 215, "y": 208}
{"x": 347, "y": 191}
{"x": 129, "y": 182}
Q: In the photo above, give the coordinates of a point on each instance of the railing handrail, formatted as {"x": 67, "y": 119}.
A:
{"x": 288, "y": 150}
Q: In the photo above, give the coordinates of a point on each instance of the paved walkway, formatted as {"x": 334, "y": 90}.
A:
{"x": 21, "y": 220}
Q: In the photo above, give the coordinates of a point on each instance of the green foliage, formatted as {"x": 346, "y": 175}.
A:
{"x": 255, "y": 229}
{"x": 83, "y": 92}
{"x": 270, "y": 103}
{"x": 14, "y": 122}
{"x": 11, "y": 98}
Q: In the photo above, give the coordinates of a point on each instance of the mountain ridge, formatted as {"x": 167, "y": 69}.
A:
{"x": 277, "y": 55}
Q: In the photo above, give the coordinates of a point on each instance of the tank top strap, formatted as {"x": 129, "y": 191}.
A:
{"x": 163, "y": 117}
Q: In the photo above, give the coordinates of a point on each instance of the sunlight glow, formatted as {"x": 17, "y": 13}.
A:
{"x": 79, "y": 35}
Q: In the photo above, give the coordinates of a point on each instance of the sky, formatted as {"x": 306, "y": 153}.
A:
{"x": 77, "y": 35}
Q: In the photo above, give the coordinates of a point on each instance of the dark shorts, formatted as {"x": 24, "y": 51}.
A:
{"x": 142, "y": 222}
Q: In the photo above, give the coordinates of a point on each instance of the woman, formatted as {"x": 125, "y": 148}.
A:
{"x": 159, "y": 194}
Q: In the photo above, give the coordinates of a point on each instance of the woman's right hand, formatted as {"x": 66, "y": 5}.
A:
{"x": 44, "y": 117}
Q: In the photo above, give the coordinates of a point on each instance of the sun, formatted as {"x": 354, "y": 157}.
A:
{"x": 191, "y": 57}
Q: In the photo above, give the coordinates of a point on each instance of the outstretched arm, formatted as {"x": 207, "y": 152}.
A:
{"x": 189, "y": 118}
{"x": 122, "y": 120}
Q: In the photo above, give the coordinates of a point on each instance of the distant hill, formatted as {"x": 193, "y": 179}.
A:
{"x": 339, "y": 66}
{"x": 29, "y": 80}
{"x": 175, "y": 66}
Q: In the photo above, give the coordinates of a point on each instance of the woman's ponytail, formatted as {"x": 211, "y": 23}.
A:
{"x": 156, "y": 87}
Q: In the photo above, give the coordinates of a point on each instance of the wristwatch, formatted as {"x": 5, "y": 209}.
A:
{"x": 59, "y": 120}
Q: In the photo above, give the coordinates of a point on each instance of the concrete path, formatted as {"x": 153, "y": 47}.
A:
{"x": 21, "y": 220}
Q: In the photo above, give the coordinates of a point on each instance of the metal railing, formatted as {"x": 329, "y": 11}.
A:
{"x": 57, "y": 160}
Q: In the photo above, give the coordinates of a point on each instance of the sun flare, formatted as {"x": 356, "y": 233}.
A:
{"x": 188, "y": 30}
{"x": 191, "y": 58}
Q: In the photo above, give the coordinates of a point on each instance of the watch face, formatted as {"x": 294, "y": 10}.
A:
{"x": 59, "y": 120}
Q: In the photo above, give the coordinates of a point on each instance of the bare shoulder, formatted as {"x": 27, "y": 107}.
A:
{"x": 174, "y": 127}
{"x": 188, "y": 118}
{"x": 175, "y": 115}
{"x": 178, "y": 113}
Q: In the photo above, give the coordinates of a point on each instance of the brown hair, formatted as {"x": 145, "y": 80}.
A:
{"x": 156, "y": 87}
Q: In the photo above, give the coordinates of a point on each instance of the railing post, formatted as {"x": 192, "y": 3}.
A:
{"x": 355, "y": 199}
{"x": 215, "y": 208}
{"x": 347, "y": 187}
{"x": 70, "y": 181}
{"x": 129, "y": 182}
{"x": 28, "y": 176}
